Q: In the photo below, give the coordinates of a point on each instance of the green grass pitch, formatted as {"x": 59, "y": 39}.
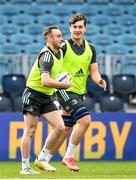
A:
{"x": 88, "y": 170}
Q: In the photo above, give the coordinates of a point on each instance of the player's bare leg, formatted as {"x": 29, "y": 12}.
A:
{"x": 55, "y": 120}
{"x": 76, "y": 135}
{"x": 29, "y": 131}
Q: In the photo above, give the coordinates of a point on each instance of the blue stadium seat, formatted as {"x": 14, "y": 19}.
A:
{"x": 124, "y": 2}
{"x": 89, "y": 11}
{"x": 98, "y": 2}
{"x": 21, "y": 2}
{"x": 92, "y": 30}
{"x": 9, "y": 10}
{"x": 129, "y": 40}
{"x": 128, "y": 66}
{"x": 111, "y": 103}
{"x": 35, "y": 10}
{"x": 9, "y": 49}
{"x": 2, "y": 39}
{"x": 21, "y": 39}
{"x": 34, "y": 48}
{"x": 61, "y": 10}
{"x": 49, "y": 19}
{"x": 89, "y": 103}
{"x": 35, "y": 29}
{"x": 46, "y": 2}
{"x": 2, "y": 1}
{"x": 2, "y": 19}
{"x": 124, "y": 84}
{"x": 13, "y": 84}
{"x": 64, "y": 29}
{"x": 114, "y": 11}
{"x": 101, "y": 20}
{"x": 22, "y": 20}
{"x": 5, "y": 104}
{"x": 115, "y": 30}
{"x": 9, "y": 29}
{"x": 17, "y": 103}
{"x": 133, "y": 30}
{"x": 103, "y": 40}
{"x": 117, "y": 49}
{"x": 127, "y": 20}
{"x": 73, "y": 2}
{"x": 94, "y": 90}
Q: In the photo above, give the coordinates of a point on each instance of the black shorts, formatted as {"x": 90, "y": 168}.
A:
{"x": 69, "y": 101}
{"x": 36, "y": 103}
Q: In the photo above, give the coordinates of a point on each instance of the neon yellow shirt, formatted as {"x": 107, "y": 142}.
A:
{"x": 34, "y": 79}
{"x": 78, "y": 67}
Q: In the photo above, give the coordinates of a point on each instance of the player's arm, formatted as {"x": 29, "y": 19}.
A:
{"x": 94, "y": 70}
{"x": 45, "y": 64}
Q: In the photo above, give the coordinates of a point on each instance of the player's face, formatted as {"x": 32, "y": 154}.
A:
{"x": 77, "y": 30}
{"x": 57, "y": 39}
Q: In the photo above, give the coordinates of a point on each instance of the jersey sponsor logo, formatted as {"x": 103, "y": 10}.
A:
{"x": 79, "y": 73}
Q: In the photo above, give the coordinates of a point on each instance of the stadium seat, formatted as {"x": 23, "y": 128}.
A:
{"x": 2, "y": 39}
{"x": 101, "y": 20}
{"x": 92, "y": 30}
{"x": 61, "y": 10}
{"x": 9, "y": 49}
{"x": 73, "y": 2}
{"x": 2, "y": 19}
{"x": 102, "y": 39}
{"x": 64, "y": 29}
{"x": 129, "y": 40}
{"x": 21, "y": 2}
{"x": 124, "y": 2}
{"x": 35, "y": 29}
{"x": 115, "y": 30}
{"x": 35, "y": 10}
{"x": 87, "y": 11}
{"x": 21, "y": 39}
{"x": 5, "y": 104}
{"x": 22, "y": 20}
{"x": 17, "y": 103}
{"x": 124, "y": 84}
{"x": 9, "y": 29}
{"x": 127, "y": 20}
{"x": 98, "y": 2}
{"x": 34, "y": 49}
{"x": 9, "y": 10}
{"x": 111, "y": 103}
{"x": 46, "y": 2}
{"x": 94, "y": 90}
{"x": 89, "y": 103}
{"x": 128, "y": 66}
{"x": 13, "y": 84}
{"x": 2, "y": 1}
{"x": 49, "y": 19}
{"x": 117, "y": 49}
{"x": 114, "y": 11}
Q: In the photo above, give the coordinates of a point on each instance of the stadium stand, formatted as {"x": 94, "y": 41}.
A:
{"x": 89, "y": 103}
{"x": 5, "y": 103}
{"x": 111, "y": 103}
{"x": 94, "y": 90}
{"x": 111, "y": 28}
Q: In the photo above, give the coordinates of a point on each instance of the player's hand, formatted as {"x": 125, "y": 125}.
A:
{"x": 68, "y": 82}
{"x": 102, "y": 84}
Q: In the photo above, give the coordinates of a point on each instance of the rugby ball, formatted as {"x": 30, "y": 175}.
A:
{"x": 62, "y": 76}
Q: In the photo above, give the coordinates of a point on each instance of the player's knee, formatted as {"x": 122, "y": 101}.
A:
{"x": 85, "y": 121}
{"x": 32, "y": 130}
{"x": 60, "y": 129}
